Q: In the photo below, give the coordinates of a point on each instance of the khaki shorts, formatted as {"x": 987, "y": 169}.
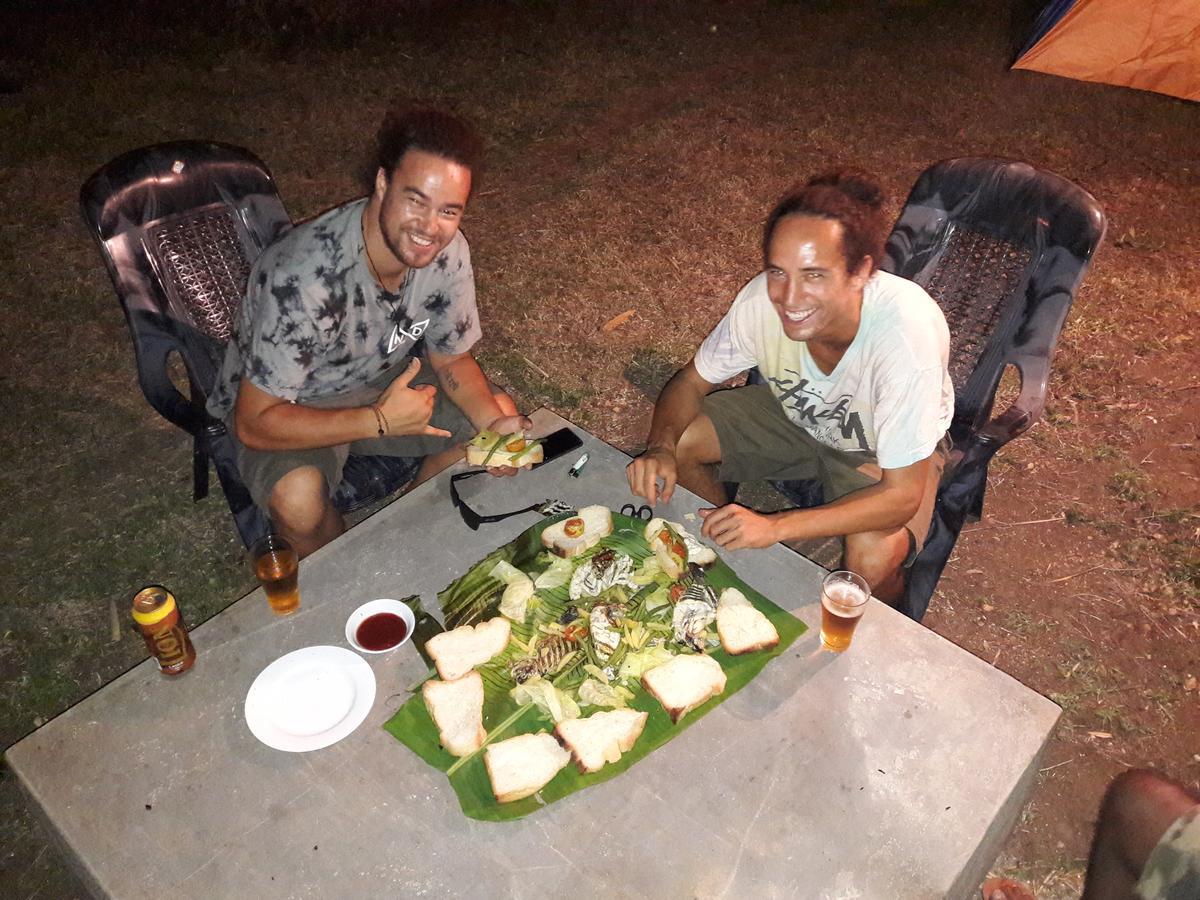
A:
{"x": 261, "y": 470}
{"x": 1173, "y": 870}
{"x": 760, "y": 443}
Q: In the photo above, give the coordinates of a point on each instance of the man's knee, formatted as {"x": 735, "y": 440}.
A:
{"x": 1143, "y": 802}
{"x": 877, "y": 555}
{"x": 698, "y": 445}
{"x": 300, "y": 499}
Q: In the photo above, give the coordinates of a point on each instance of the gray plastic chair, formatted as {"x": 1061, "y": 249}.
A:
{"x": 179, "y": 226}
{"x": 1002, "y": 247}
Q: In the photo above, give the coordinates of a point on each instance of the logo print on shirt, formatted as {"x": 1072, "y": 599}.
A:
{"x": 830, "y": 422}
{"x": 399, "y": 334}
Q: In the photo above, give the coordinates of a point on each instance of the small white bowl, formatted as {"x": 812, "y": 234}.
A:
{"x": 379, "y": 606}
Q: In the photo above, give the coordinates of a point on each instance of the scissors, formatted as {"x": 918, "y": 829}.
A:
{"x": 643, "y": 512}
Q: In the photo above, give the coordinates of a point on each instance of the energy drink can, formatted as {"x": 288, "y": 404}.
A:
{"x": 161, "y": 625}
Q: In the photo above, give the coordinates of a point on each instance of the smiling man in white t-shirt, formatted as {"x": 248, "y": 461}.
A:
{"x": 857, "y": 391}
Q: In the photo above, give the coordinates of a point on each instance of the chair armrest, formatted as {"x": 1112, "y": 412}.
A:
{"x": 1011, "y": 423}
{"x": 161, "y": 392}
{"x": 1034, "y": 369}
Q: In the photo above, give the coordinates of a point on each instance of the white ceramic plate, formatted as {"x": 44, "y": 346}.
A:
{"x": 370, "y": 608}
{"x": 310, "y": 698}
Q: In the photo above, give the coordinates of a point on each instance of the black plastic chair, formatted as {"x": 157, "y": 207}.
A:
{"x": 179, "y": 226}
{"x": 1001, "y": 246}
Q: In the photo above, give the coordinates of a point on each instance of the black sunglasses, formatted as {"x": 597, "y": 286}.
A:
{"x": 473, "y": 519}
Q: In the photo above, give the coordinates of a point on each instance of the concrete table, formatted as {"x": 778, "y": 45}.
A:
{"x": 894, "y": 770}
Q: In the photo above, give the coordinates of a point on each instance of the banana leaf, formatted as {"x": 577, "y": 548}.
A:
{"x": 475, "y": 597}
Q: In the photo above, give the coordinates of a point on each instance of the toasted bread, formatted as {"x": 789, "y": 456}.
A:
{"x": 741, "y": 627}
{"x": 684, "y": 683}
{"x": 457, "y": 652}
{"x": 597, "y": 523}
{"x": 602, "y": 737}
{"x": 457, "y": 710}
{"x": 490, "y": 448}
{"x": 523, "y": 765}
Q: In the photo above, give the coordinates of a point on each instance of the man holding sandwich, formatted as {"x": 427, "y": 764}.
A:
{"x": 323, "y": 362}
{"x": 857, "y": 392}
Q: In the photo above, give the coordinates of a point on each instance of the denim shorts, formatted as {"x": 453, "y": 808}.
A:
{"x": 261, "y": 470}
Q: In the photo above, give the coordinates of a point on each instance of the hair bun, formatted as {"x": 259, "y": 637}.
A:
{"x": 855, "y": 184}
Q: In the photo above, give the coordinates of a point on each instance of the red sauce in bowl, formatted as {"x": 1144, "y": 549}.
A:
{"x": 382, "y": 631}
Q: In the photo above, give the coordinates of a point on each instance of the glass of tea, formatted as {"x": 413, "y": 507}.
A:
{"x": 844, "y": 597}
{"x": 277, "y": 568}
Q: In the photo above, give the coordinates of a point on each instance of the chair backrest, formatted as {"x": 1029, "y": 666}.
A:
{"x": 1001, "y": 246}
{"x": 179, "y": 226}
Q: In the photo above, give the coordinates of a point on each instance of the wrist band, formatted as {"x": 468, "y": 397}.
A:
{"x": 380, "y": 421}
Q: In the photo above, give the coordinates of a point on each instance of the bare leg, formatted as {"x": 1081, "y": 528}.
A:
{"x": 1138, "y": 808}
{"x": 302, "y": 511}
{"x": 436, "y": 462}
{"x": 696, "y": 459}
{"x": 878, "y": 556}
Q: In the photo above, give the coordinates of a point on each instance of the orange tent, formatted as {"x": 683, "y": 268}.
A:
{"x": 1153, "y": 45}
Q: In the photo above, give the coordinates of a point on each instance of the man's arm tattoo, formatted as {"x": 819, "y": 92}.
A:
{"x": 451, "y": 381}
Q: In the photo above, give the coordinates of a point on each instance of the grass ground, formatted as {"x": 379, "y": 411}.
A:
{"x": 636, "y": 149}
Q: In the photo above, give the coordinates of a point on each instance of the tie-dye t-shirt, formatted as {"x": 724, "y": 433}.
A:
{"x": 315, "y": 324}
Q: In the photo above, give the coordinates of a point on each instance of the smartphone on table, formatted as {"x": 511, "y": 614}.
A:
{"x": 558, "y": 443}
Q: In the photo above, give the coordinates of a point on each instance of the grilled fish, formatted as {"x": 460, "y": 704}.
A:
{"x": 693, "y": 613}
{"x": 549, "y": 657}
{"x": 590, "y": 580}
{"x": 605, "y": 619}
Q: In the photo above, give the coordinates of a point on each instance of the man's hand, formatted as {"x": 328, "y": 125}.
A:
{"x": 407, "y": 410}
{"x": 645, "y": 471}
{"x": 509, "y": 425}
{"x": 737, "y": 528}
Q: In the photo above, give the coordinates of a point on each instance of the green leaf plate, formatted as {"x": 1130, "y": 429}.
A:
{"x": 476, "y": 595}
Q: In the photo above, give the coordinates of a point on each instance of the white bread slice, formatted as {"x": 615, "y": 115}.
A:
{"x": 457, "y": 710}
{"x": 741, "y": 627}
{"x": 684, "y": 683}
{"x": 523, "y": 765}
{"x": 480, "y": 446}
{"x": 602, "y": 737}
{"x": 597, "y": 523}
{"x": 457, "y": 652}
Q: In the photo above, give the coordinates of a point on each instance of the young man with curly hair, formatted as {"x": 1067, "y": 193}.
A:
{"x": 325, "y": 358}
{"x": 857, "y": 392}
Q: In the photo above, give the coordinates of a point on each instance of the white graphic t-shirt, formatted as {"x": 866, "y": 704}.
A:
{"x": 890, "y": 394}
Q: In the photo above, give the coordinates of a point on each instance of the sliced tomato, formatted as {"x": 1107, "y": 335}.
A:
{"x": 675, "y": 592}
{"x": 575, "y": 632}
{"x": 675, "y": 546}
{"x": 574, "y": 528}
{"x": 516, "y": 445}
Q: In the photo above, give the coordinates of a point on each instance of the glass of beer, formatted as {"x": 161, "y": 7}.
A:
{"x": 277, "y": 567}
{"x": 844, "y": 597}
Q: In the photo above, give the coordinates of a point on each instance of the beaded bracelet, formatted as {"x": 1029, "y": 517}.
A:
{"x": 380, "y": 420}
